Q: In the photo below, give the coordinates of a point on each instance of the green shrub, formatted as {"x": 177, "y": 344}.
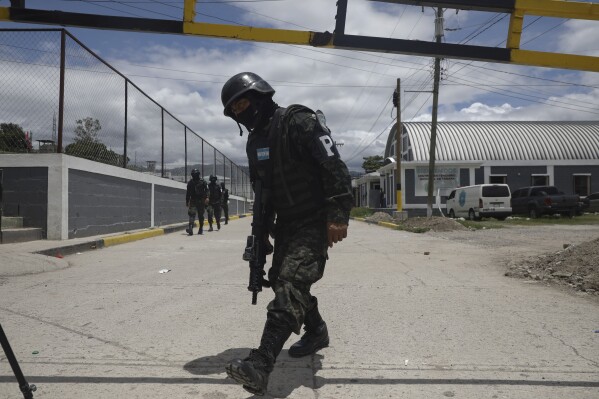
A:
{"x": 360, "y": 212}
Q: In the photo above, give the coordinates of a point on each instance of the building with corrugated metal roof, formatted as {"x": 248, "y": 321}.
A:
{"x": 563, "y": 154}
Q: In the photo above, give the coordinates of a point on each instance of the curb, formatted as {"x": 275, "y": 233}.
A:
{"x": 382, "y": 224}
{"x": 121, "y": 239}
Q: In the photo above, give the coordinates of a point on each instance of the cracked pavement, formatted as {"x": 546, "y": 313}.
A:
{"x": 107, "y": 324}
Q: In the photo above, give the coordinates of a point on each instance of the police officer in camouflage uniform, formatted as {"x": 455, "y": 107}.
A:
{"x": 214, "y": 200}
{"x": 225, "y": 201}
{"x": 291, "y": 152}
{"x": 195, "y": 199}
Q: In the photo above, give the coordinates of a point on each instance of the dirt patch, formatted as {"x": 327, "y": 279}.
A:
{"x": 576, "y": 266}
{"x": 419, "y": 224}
{"x": 435, "y": 223}
{"x": 529, "y": 252}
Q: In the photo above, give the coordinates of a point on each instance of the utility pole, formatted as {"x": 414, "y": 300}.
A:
{"x": 398, "y": 130}
{"x": 431, "y": 161}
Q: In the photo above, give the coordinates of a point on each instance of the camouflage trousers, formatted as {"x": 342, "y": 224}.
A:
{"x": 193, "y": 209}
{"x": 213, "y": 211}
{"x": 298, "y": 262}
{"x": 225, "y": 207}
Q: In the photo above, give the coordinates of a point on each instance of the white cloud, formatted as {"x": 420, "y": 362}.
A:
{"x": 352, "y": 88}
{"x": 480, "y": 111}
{"x": 580, "y": 37}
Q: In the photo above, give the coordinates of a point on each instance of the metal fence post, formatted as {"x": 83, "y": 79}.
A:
{"x": 63, "y": 41}
{"x": 185, "y": 151}
{"x": 162, "y": 154}
{"x": 126, "y": 110}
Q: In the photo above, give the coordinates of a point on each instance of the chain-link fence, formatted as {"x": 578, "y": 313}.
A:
{"x": 58, "y": 96}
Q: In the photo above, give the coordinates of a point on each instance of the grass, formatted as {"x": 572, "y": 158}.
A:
{"x": 360, "y": 212}
{"x": 491, "y": 223}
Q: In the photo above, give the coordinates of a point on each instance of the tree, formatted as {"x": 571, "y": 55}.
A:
{"x": 87, "y": 130}
{"x": 87, "y": 145}
{"x": 13, "y": 138}
{"x": 371, "y": 164}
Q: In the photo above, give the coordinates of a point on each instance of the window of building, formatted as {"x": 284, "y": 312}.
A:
{"x": 539, "y": 180}
{"x": 498, "y": 179}
{"x": 582, "y": 185}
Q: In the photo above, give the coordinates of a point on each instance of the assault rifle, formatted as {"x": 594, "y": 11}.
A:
{"x": 257, "y": 246}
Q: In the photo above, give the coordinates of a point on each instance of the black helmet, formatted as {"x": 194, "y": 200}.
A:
{"x": 213, "y": 178}
{"x": 195, "y": 173}
{"x": 240, "y": 84}
{"x": 222, "y": 184}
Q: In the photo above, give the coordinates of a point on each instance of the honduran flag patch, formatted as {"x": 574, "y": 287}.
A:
{"x": 263, "y": 154}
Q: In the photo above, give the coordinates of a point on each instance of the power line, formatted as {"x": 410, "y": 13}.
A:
{"x": 350, "y": 113}
{"x": 534, "y": 101}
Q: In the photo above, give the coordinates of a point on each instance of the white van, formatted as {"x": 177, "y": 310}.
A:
{"x": 481, "y": 200}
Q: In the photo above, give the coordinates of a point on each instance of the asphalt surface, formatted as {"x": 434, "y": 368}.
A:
{"x": 106, "y": 323}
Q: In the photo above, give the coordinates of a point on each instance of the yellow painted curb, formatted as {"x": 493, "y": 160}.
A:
{"x": 387, "y": 224}
{"x": 360, "y": 219}
{"x": 109, "y": 241}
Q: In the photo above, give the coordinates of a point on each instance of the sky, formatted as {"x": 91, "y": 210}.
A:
{"x": 185, "y": 74}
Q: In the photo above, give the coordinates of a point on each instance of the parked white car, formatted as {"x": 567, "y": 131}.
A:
{"x": 478, "y": 201}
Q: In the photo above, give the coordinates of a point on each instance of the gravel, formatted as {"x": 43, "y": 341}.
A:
{"x": 557, "y": 255}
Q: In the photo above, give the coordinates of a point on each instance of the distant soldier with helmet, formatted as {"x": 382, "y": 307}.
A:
{"x": 298, "y": 173}
{"x": 225, "y": 201}
{"x": 196, "y": 199}
{"x": 214, "y": 202}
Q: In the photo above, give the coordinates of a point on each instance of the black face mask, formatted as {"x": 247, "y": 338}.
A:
{"x": 248, "y": 117}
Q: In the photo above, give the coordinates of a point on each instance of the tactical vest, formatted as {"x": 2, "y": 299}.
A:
{"x": 293, "y": 178}
{"x": 215, "y": 193}
{"x": 197, "y": 189}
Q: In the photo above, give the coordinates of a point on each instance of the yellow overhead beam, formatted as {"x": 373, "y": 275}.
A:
{"x": 339, "y": 40}
{"x": 554, "y": 60}
{"x": 252, "y": 33}
{"x": 515, "y": 30}
{"x": 189, "y": 10}
{"x": 559, "y": 9}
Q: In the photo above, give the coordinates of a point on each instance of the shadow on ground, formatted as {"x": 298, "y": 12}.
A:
{"x": 288, "y": 375}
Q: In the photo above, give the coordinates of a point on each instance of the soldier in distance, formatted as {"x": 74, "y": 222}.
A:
{"x": 195, "y": 200}
{"x": 214, "y": 202}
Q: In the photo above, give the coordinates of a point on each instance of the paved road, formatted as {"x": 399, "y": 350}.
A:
{"x": 403, "y": 324}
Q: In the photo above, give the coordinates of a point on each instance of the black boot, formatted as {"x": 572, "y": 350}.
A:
{"x": 218, "y": 225}
{"x": 189, "y": 230}
{"x": 201, "y": 229}
{"x": 315, "y": 338}
{"x": 253, "y": 371}
{"x": 210, "y": 229}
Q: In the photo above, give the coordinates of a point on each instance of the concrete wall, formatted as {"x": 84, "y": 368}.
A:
{"x": 100, "y": 204}
{"x": 479, "y": 176}
{"x": 564, "y": 177}
{"x": 464, "y": 177}
{"x": 518, "y": 176}
{"x": 169, "y": 205}
{"x": 74, "y": 197}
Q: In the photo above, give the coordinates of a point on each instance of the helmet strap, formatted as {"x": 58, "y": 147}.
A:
{"x": 240, "y": 130}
